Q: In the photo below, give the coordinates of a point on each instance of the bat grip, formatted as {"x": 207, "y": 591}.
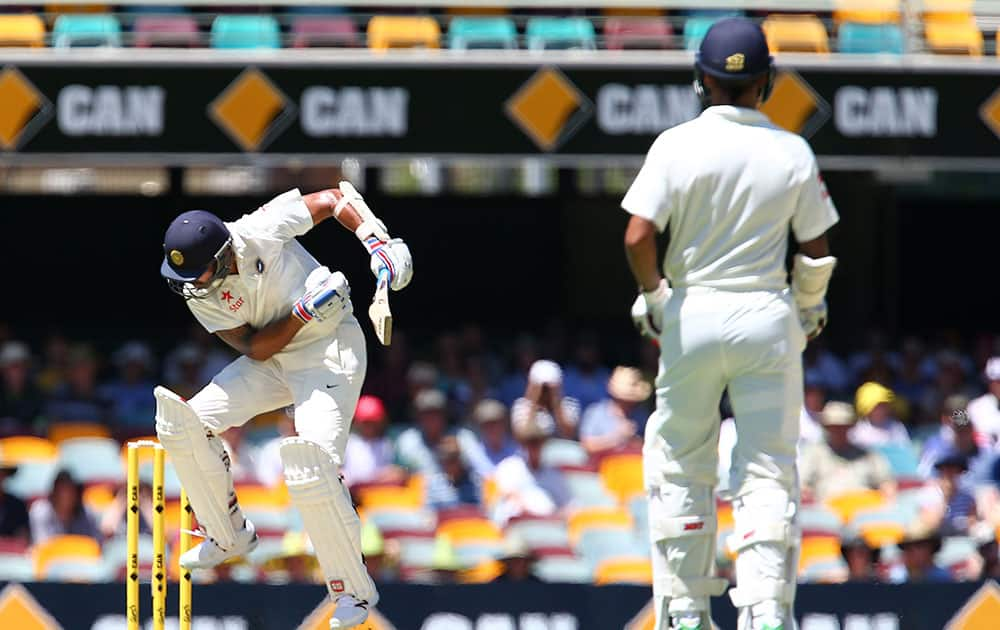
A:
{"x": 383, "y": 278}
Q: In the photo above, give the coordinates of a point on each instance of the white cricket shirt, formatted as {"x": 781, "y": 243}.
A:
{"x": 729, "y": 183}
{"x": 272, "y": 269}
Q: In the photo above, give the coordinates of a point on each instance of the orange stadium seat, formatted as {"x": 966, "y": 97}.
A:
{"x": 796, "y": 33}
{"x": 947, "y": 36}
{"x": 62, "y": 431}
{"x": 622, "y": 475}
{"x": 392, "y": 31}
{"x": 866, "y": 11}
{"x": 98, "y": 497}
{"x": 954, "y": 10}
{"x": 69, "y": 547}
{"x": 597, "y": 517}
{"x": 26, "y": 448}
{"x": 22, "y": 30}
{"x": 388, "y": 496}
{"x": 848, "y": 504}
{"x": 624, "y": 570}
{"x": 817, "y": 549}
{"x": 465, "y": 530}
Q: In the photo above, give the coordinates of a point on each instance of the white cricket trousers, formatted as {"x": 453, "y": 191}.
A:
{"x": 323, "y": 380}
{"x": 751, "y": 343}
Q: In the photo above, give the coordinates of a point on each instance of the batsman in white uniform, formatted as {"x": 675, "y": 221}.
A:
{"x": 727, "y": 186}
{"x": 253, "y": 284}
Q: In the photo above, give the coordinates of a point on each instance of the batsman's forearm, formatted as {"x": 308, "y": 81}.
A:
{"x": 272, "y": 339}
{"x": 640, "y": 249}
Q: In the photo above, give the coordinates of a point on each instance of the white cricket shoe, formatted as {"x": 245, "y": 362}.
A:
{"x": 209, "y": 554}
{"x": 350, "y": 613}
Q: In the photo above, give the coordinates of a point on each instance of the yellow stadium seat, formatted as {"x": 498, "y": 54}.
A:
{"x": 796, "y": 33}
{"x": 67, "y": 547}
{"x": 389, "y": 496}
{"x": 954, "y": 37}
{"x": 391, "y": 31}
{"x": 944, "y": 10}
{"x": 596, "y": 517}
{"x": 27, "y": 30}
{"x": 490, "y": 492}
{"x": 62, "y": 431}
{"x": 622, "y": 475}
{"x": 482, "y": 573}
{"x": 98, "y": 497}
{"x": 257, "y": 496}
{"x": 848, "y": 504}
{"x": 625, "y": 570}
{"x": 26, "y": 448}
{"x": 462, "y": 530}
{"x": 818, "y": 549}
{"x": 878, "y": 535}
{"x": 866, "y": 11}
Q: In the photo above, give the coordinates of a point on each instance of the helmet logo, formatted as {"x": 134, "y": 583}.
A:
{"x": 735, "y": 63}
{"x": 176, "y": 257}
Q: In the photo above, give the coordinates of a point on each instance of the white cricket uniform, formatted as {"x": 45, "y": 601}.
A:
{"x": 322, "y": 368}
{"x": 729, "y": 184}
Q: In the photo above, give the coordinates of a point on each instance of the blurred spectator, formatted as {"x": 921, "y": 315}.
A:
{"x": 956, "y": 434}
{"x": 420, "y": 377}
{"x": 910, "y": 382}
{"x": 214, "y": 356}
{"x": 131, "y": 394}
{"x": 53, "y": 373}
{"x": 20, "y": 399}
{"x": 949, "y": 379}
{"x": 454, "y": 485}
{"x": 836, "y": 465}
{"x": 369, "y": 454}
{"x": 617, "y": 421}
{"x": 518, "y": 561}
{"x": 242, "y": 455}
{"x": 945, "y": 503}
{"x": 822, "y": 367}
{"x": 445, "y": 563}
{"x": 449, "y": 364}
{"x": 416, "y": 446}
{"x": 513, "y": 385}
{"x": 111, "y": 522}
{"x": 919, "y": 545}
{"x": 878, "y": 425}
{"x": 374, "y": 552}
{"x": 494, "y": 430}
{"x": 187, "y": 371}
{"x": 13, "y": 511}
{"x": 985, "y": 410}
{"x": 78, "y": 399}
{"x": 270, "y": 470}
{"x": 524, "y": 485}
{"x": 544, "y": 396}
{"x": 989, "y": 550}
{"x": 63, "y": 512}
{"x": 296, "y": 561}
{"x": 389, "y": 382}
{"x": 586, "y": 379}
{"x": 862, "y": 559}
{"x": 810, "y": 421}
{"x": 475, "y": 386}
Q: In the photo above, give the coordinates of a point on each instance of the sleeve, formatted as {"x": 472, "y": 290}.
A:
{"x": 648, "y": 196}
{"x": 214, "y": 319}
{"x": 283, "y": 218}
{"x": 814, "y": 211}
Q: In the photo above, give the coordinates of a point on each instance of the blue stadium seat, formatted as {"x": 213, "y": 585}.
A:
{"x": 695, "y": 28}
{"x": 596, "y": 545}
{"x": 559, "y": 452}
{"x": 902, "y": 459}
{"x": 465, "y": 33}
{"x": 83, "y": 30}
{"x": 548, "y": 33}
{"x": 91, "y": 460}
{"x": 245, "y": 31}
{"x": 564, "y": 569}
{"x": 853, "y": 37}
{"x": 540, "y": 532}
{"x": 32, "y": 480}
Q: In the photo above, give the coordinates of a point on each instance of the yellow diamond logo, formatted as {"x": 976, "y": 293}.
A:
{"x": 980, "y": 612}
{"x": 795, "y": 106}
{"x": 549, "y": 108}
{"x": 990, "y": 112}
{"x": 18, "y": 609}
{"x": 252, "y": 110}
{"x": 23, "y": 109}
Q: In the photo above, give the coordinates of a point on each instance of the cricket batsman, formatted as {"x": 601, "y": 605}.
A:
{"x": 727, "y": 186}
{"x": 253, "y": 284}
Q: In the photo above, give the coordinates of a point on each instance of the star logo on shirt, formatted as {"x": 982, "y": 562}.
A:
{"x": 227, "y": 296}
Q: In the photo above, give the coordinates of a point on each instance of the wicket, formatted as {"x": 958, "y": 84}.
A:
{"x": 158, "y": 581}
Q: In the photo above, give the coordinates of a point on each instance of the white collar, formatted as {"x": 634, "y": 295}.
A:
{"x": 737, "y": 114}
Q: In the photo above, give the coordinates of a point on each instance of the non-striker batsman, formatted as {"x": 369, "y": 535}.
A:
{"x": 255, "y": 286}
{"x": 726, "y": 187}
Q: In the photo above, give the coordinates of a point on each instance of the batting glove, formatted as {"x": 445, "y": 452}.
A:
{"x": 647, "y": 310}
{"x": 328, "y": 296}
{"x": 813, "y": 319}
{"x": 392, "y": 256}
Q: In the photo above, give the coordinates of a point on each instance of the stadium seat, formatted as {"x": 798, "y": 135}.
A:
{"x": 32, "y": 480}
{"x": 846, "y": 505}
{"x": 465, "y": 33}
{"x": 245, "y": 31}
{"x": 22, "y": 30}
{"x": 587, "y": 490}
{"x": 902, "y": 458}
{"x": 482, "y": 572}
{"x": 942, "y": 10}
{"x": 553, "y": 33}
{"x": 166, "y": 31}
{"x": 816, "y": 549}
{"x": 866, "y": 11}
{"x": 651, "y": 33}
{"x": 91, "y": 460}
{"x": 598, "y": 517}
{"x": 389, "y": 496}
{"x": 395, "y": 31}
{"x": 25, "y": 448}
{"x": 402, "y": 519}
{"x": 466, "y": 530}
{"x": 114, "y": 552}
{"x": 955, "y": 551}
{"x": 817, "y": 519}
{"x": 622, "y": 475}
{"x": 856, "y": 37}
{"x": 624, "y": 570}
{"x": 69, "y": 547}
{"x": 638, "y": 507}
{"x": 559, "y": 452}
{"x": 953, "y": 37}
{"x": 599, "y": 544}
{"x": 322, "y": 31}
{"x": 73, "y": 31}
{"x": 695, "y": 28}
{"x": 881, "y": 526}
{"x": 474, "y": 553}
{"x": 155, "y": 9}
{"x": 540, "y": 532}
{"x": 569, "y": 570}
{"x": 16, "y": 568}
{"x": 61, "y": 431}
{"x": 830, "y": 571}
{"x": 796, "y": 33}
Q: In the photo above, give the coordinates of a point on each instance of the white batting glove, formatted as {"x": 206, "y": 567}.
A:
{"x": 647, "y": 310}
{"x": 813, "y": 319}
{"x": 394, "y": 257}
{"x": 327, "y": 297}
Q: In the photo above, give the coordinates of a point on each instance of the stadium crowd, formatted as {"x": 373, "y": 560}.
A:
{"x": 472, "y": 464}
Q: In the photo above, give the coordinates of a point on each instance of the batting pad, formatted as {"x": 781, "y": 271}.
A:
{"x": 314, "y": 485}
{"x": 202, "y": 464}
